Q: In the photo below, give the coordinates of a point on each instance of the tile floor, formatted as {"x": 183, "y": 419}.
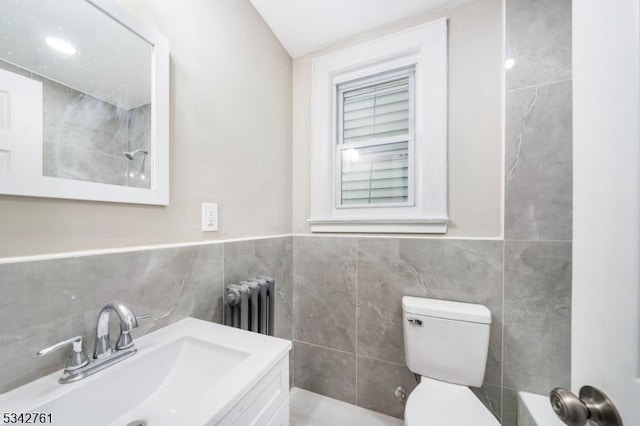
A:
{"x": 310, "y": 409}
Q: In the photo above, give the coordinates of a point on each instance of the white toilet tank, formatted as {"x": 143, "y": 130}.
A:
{"x": 446, "y": 340}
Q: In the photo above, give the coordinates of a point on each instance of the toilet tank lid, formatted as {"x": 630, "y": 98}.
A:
{"x": 446, "y": 309}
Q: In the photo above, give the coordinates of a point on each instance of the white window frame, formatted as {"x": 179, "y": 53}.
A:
{"x": 340, "y": 145}
{"x": 425, "y": 48}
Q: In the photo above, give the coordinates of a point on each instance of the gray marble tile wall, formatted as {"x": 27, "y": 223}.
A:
{"x": 85, "y": 138}
{"x": 272, "y": 257}
{"x": 347, "y": 316}
{"x": 338, "y": 298}
{"x": 50, "y": 300}
{"x": 348, "y": 340}
{"x": 537, "y": 301}
{"x": 538, "y": 200}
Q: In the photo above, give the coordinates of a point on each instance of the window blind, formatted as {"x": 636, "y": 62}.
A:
{"x": 376, "y": 175}
{"x": 375, "y": 150}
{"x": 376, "y": 112}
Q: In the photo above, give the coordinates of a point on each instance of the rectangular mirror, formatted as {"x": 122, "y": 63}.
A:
{"x": 84, "y": 106}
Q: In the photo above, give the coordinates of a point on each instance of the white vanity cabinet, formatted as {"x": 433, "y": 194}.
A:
{"x": 191, "y": 372}
{"x": 267, "y": 403}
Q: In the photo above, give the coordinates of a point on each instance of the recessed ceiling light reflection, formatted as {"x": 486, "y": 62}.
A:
{"x": 61, "y": 45}
{"x": 509, "y": 63}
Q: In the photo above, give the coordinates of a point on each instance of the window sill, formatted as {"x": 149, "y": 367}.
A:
{"x": 383, "y": 226}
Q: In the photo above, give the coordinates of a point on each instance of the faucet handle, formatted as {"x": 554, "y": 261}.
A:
{"x": 125, "y": 340}
{"x": 77, "y": 358}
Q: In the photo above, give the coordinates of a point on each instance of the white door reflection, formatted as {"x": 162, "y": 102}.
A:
{"x": 20, "y": 124}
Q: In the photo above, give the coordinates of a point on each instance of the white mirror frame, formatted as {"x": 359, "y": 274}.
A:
{"x": 51, "y": 187}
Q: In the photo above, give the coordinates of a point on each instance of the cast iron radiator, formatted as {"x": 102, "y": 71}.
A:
{"x": 250, "y": 305}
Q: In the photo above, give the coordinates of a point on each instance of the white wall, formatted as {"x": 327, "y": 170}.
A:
{"x": 475, "y": 105}
{"x": 230, "y": 141}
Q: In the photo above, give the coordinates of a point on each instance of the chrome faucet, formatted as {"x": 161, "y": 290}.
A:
{"x": 78, "y": 365}
{"x": 128, "y": 322}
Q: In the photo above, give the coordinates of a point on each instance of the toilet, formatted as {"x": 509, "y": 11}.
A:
{"x": 446, "y": 343}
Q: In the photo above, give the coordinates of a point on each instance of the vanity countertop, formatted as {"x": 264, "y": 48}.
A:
{"x": 190, "y": 372}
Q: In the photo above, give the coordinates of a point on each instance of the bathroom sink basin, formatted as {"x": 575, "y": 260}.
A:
{"x": 191, "y": 372}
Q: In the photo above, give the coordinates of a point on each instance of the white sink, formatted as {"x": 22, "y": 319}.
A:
{"x": 192, "y": 372}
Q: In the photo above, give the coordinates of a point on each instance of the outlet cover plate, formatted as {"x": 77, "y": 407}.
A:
{"x": 209, "y": 217}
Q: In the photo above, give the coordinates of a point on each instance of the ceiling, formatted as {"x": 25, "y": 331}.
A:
{"x": 304, "y": 26}
{"x": 111, "y": 63}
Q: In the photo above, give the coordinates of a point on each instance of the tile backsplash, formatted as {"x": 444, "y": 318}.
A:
{"x": 338, "y": 299}
{"x": 348, "y": 315}
{"x": 45, "y": 301}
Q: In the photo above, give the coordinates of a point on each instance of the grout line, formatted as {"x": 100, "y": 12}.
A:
{"x": 502, "y": 342}
{"x": 549, "y": 83}
{"x": 383, "y": 360}
{"x": 518, "y": 390}
{"x": 398, "y": 236}
{"x": 293, "y": 309}
{"x": 356, "y": 311}
{"x": 537, "y": 241}
{"x": 293, "y": 287}
{"x": 361, "y": 356}
{"x": 324, "y": 347}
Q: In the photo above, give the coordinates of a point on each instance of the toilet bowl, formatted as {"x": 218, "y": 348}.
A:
{"x": 447, "y": 344}
{"x": 436, "y": 403}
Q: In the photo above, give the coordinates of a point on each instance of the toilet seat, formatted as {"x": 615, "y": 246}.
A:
{"x": 436, "y": 403}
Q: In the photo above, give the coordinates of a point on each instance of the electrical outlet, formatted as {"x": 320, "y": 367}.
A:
{"x": 209, "y": 217}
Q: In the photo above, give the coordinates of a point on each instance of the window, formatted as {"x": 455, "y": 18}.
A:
{"x": 374, "y": 153}
{"x": 379, "y": 135}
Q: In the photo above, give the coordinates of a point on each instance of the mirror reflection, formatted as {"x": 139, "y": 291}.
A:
{"x": 75, "y": 94}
